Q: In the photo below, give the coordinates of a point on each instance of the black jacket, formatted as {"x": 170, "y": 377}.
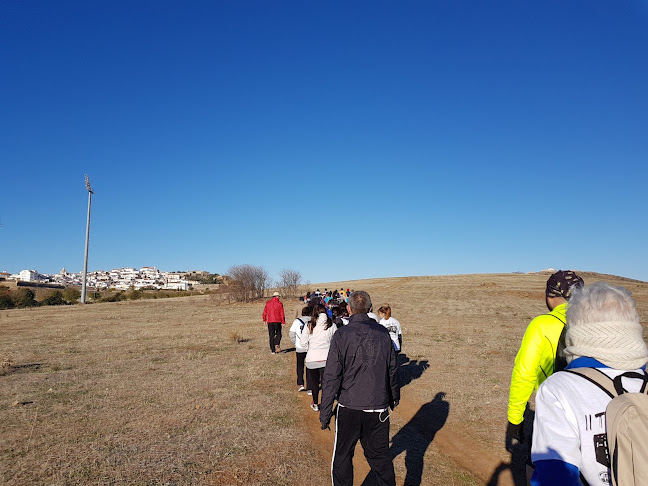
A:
{"x": 360, "y": 369}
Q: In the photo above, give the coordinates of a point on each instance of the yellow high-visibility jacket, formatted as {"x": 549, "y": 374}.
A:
{"x": 535, "y": 361}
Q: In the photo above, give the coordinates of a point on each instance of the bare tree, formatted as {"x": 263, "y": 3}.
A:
{"x": 261, "y": 281}
{"x": 248, "y": 282}
{"x": 289, "y": 281}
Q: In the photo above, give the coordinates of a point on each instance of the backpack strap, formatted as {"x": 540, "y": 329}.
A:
{"x": 303, "y": 324}
{"x": 598, "y": 378}
{"x": 618, "y": 386}
{"x": 560, "y": 362}
{"x": 554, "y": 315}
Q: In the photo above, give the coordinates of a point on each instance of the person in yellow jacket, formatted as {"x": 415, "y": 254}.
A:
{"x": 538, "y": 356}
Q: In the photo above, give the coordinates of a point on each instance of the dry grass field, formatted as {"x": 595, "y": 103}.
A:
{"x": 185, "y": 391}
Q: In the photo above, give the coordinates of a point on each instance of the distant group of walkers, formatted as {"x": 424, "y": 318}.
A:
{"x": 352, "y": 353}
{"x": 585, "y": 359}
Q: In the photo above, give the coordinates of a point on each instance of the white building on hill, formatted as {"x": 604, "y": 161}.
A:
{"x": 29, "y": 276}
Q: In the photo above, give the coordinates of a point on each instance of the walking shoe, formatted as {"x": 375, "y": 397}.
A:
{"x": 310, "y": 392}
{"x": 277, "y": 349}
{"x": 314, "y": 407}
{"x": 301, "y": 388}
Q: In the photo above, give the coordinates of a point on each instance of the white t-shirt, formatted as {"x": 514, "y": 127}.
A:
{"x": 394, "y": 328}
{"x": 569, "y": 424}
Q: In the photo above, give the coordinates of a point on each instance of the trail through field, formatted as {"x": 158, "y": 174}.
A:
{"x": 422, "y": 429}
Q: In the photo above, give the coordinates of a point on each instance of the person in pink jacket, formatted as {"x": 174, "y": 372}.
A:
{"x": 316, "y": 337}
{"x": 274, "y": 318}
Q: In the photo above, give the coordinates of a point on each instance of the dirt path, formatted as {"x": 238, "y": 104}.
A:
{"x": 323, "y": 440}
{"x": 486, "y": 467}
{"x": 462, "y": 449}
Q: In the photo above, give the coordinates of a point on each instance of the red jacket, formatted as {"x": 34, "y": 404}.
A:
{"x": 274, "y": 311}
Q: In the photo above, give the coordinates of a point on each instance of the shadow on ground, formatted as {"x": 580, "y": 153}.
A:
{"x": 415, "y": 438}
{"x": 24, "y": 368}
{"x": 410, "y": 370}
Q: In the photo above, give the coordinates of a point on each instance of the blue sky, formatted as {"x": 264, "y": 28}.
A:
{"x": 342, "y": 139}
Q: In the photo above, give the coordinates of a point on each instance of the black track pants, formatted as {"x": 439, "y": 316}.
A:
{"x": 372, "y": 429}
{"x": 300, "y": 368}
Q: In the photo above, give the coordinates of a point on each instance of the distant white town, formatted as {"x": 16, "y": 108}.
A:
{"x": 118, "y": 279}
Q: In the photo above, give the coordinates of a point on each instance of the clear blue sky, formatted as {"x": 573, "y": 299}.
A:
{"x": 342, "y": 139}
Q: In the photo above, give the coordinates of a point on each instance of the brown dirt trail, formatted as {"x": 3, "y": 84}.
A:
{"x": 455, "y": 444}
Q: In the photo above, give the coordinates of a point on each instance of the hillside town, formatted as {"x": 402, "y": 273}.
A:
{"x": 145, "y": 278}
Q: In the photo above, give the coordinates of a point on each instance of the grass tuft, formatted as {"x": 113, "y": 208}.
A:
{"x": 236, "y": 337}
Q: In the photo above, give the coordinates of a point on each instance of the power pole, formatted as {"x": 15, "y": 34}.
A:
{"x": 87, "y": 241}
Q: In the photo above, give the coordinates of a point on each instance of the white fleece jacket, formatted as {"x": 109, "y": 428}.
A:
{"x": 319, "y": 341}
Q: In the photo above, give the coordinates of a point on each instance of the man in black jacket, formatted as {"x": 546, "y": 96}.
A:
{"x": 361, "y": 373}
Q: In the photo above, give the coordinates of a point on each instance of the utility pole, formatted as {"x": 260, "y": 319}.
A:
{"x": 87, "y": 241}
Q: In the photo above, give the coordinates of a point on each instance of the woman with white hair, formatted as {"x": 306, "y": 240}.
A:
{"x": 569, "y": 440}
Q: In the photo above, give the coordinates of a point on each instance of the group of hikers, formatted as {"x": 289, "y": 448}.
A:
{"x": 352, "y": 353}
{"x": 585, "y": 359}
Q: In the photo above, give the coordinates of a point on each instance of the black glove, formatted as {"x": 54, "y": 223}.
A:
{"x": 514, "y": 432}
{"x": 393, "y": 405}
{"x": 325, "y": 425}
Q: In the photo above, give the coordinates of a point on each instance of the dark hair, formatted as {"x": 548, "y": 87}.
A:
{"x": 306, "y": 311}
{"x": 317, "y": 310}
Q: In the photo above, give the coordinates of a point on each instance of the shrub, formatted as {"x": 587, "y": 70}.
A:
{"x": 5, "y": 364}
{"x": 6, "y": 302}
{"x": 117, "y": 297}
{"x": 236, "y": 337}
{"x": 72, "y": 295}
{"x": 55, "y": 298}
{"x": 25, "y": 298}
{"x": 211, "y": 279}
{"x": 134, "y": 294}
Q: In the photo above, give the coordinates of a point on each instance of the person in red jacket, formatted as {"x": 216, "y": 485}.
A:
{"x": 273, "y": 316}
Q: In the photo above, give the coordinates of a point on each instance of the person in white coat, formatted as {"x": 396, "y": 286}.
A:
{"x": 316, "y": 337}
{"x": 300, "y": 350}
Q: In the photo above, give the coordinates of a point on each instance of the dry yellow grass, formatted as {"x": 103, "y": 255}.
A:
{"x": 184, "y": 391}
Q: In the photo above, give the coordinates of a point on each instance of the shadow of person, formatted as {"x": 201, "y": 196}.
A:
{"x": 415, "y": 437}
{"x": 520, "y": 454}
{"x": 410, "y": 370}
